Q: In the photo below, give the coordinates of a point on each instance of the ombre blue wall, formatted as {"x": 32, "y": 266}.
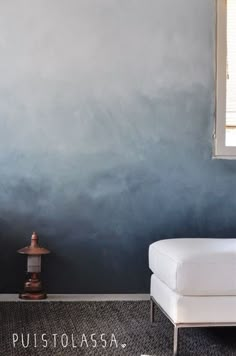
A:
{"x": 106, "y": 119}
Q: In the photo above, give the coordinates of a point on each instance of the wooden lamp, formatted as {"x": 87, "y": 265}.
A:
{"x": 33, "y": 289}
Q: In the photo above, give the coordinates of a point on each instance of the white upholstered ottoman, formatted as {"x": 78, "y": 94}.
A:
{"x": 194, "y": 282}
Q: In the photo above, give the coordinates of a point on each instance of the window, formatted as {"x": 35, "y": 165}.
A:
{"x": 225, "y": 129}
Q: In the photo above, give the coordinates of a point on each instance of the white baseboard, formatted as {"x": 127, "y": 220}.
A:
{"x": 80, "y": 297}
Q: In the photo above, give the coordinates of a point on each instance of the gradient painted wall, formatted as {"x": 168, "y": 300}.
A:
{"x": 106, "y": 118}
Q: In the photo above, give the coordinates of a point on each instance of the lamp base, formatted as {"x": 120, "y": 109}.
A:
{"x": 33, "y": 296}
{"x": 33, "y": 289}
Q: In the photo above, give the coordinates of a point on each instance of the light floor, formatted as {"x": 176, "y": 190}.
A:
{"x": 80, "y": 297}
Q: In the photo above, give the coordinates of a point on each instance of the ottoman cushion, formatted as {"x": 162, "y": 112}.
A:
{"x": 193, "y": 309}
{"x": 195, "y": 266}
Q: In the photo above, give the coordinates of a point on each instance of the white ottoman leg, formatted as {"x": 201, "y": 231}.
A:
{"x": 176, "y": 334}
{"x": 151, "y": 310}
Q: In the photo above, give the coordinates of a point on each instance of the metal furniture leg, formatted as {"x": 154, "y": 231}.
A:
{"x": 152, "y": 310}
{"x": 175, "y": 346}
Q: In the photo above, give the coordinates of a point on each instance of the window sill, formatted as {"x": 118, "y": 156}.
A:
{"x": 224, "y": 157}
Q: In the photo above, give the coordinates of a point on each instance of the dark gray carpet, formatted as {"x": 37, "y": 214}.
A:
{"x": 128, "y": 321}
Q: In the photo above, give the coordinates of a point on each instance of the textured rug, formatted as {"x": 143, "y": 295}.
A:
{"x": 101, "y": 328}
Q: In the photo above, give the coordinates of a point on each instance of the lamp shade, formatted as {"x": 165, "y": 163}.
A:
{"x": 34, "y": 248}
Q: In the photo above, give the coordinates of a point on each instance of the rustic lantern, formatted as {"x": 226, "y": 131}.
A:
{"x": 33, "y": 286}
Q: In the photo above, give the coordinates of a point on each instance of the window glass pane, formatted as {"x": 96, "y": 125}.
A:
{"x": 231, "y": 74}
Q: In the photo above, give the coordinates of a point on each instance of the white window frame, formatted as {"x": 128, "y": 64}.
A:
{"x": 220, "y": 149}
